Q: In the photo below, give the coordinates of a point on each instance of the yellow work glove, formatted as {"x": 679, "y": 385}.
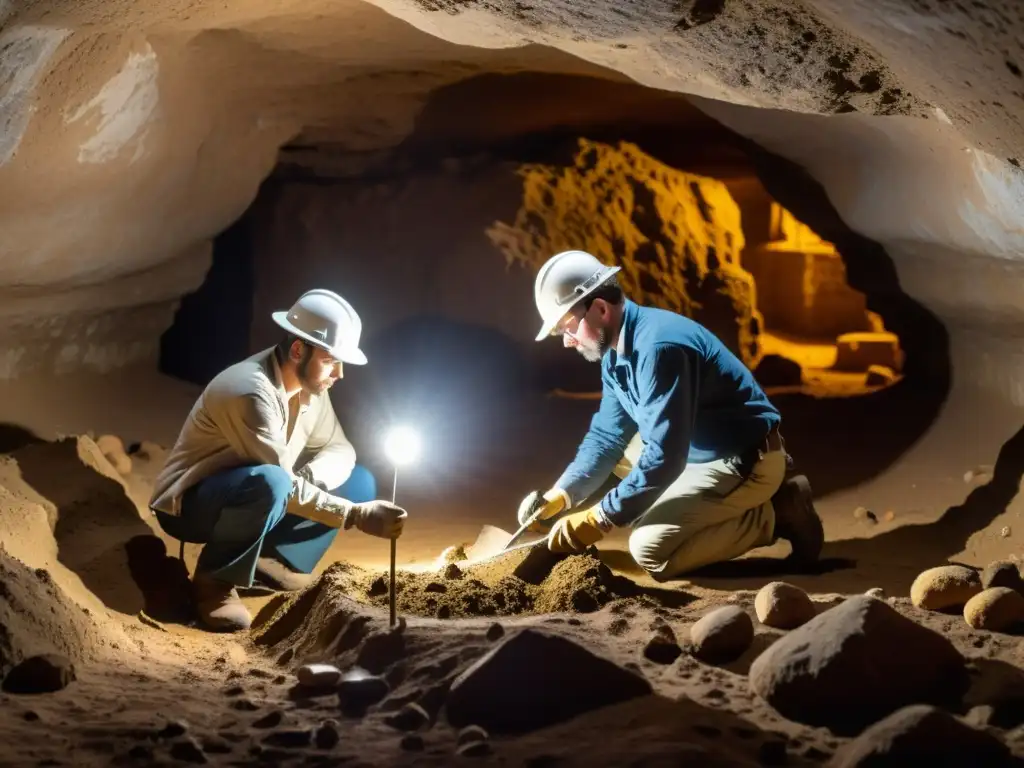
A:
{"x": 553, "y": 503}
{"x": 576, "y": 532}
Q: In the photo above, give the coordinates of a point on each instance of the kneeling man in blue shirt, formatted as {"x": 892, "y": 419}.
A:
{"x": 682, "y": 423}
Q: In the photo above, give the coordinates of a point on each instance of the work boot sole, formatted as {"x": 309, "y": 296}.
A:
{"x": 277, "y": 576}
{"x": 797, "y": 521}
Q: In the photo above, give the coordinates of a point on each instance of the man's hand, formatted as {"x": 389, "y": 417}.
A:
{"x": 575, "y": 532}
{"x": 377, "y": 518}
{"x": 550, "y": 504}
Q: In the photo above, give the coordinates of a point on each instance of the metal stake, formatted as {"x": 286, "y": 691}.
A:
{"x": 394, "y": 543}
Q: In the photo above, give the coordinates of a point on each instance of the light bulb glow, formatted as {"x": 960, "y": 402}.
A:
{"x": 402, "y": 446}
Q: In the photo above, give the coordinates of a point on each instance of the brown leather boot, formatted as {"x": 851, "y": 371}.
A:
{"x": 218, "y": 605}
{"x": 797, "y": 521}
{"x": 276, "y": 575}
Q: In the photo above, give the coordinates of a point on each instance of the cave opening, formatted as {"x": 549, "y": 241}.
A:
{"x": 436, "y": 241}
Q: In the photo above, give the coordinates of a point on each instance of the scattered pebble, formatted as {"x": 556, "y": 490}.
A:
{"x": 1005, "y": 533}
{"x": 889, "y": 516}
{"x": 358, "y": 688}
{"x": 410, "y": 717}
{"x": 472, "y": 733}
{"x": 876, "y": 592}
{"x": 452, "y": 571}
{"x": 327, "y": 736}
{"x": 722, "y": 635}
{"x": 783, "y": 606}
{"x": 474, "y": 749}
{"x": 1002, "y": 573}
{"x": 947, "y": 586}
{"x": 495, "y": 632}
{"x": 860, "y": 513}
{"x": 662, "y": 647}
{"x": 996, "y": 609}
{"x": 318, "y": 675}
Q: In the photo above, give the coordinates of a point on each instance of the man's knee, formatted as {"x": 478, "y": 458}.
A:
{"x": 651, "y": 551}
{"x": 361, "y": 486}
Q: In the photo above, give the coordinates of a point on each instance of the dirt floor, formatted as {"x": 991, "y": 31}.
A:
{"x": 85, "y": 575}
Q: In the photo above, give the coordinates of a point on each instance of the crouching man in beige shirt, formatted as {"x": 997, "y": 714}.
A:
{"x": 262, "y": 473}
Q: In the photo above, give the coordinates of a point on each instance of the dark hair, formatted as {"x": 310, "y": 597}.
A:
{"x": 284, "y": 347}
{"x": 610, "y": 291}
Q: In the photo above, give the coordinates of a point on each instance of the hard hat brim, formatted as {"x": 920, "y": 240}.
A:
{"x": 549, "y": 325}
{"x": 350, "y": 355}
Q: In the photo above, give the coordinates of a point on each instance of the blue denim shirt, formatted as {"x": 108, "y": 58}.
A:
{"x": 690, "y": 398}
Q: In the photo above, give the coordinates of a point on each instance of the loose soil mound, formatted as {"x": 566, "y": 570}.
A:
{"x": 578, "y": 583}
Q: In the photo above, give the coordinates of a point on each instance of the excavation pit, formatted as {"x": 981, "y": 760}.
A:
{"x": 528, "y": 581}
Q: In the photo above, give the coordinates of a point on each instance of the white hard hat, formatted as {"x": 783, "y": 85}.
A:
{"x": 566, "y": 279}
{"x": 325, "y": 320}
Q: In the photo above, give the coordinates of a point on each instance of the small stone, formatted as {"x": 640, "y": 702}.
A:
{"x": 378, "y": 587}
{"x": 359, "y": 688}
{"x": 474, "y": 749}
{"x": 996, "y": 609}
{"x": 889, "y": 516}
{"x": 289, "y": 738}
{"x": 860, "y": 513}
{"x": 45, "y": 673}
{"x": 472, "y": 733}
{"x": 783, "y": 606}
{"x": 269, "y": 720}
{"x": 188, "y": 751}
{"x": 922, "y": 735}
{"x": 29, "y": 716}
{"x": 410, "y": 717}
{"x": 412, "y": 742}
{"x": 723, "y": 635}
{"x": 453, "y": 554}
{"x": 876, "y": 592}
{"x": 435, "y": 586}
{"x": 452, "y": 571}
{"x": 318, "y": 675}
{"x": 1002, "y": 573}
{"x": 662, "y": 647}
{"x": 495, "y": 632}
{"x": 944, "y": 587}
{"x": 173, "y": 730}
{"x": 1005, "y": 533}
{"x": 327, "y": 736}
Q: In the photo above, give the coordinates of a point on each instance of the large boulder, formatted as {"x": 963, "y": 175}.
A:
{"x": 534, "y": 679}
{"x": 922, "y": 735}
{"x": 855, "y": 664}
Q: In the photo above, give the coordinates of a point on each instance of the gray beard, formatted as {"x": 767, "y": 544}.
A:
{"x": 594, "y": 355}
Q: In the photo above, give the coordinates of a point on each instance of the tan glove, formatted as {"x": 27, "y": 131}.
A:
{"x": 576, "y": 532}
{"x": 553, "y": 503}
{"x": 377, "y": 518}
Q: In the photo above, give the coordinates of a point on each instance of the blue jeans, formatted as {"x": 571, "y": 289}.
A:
{"x": 239, "y": 514}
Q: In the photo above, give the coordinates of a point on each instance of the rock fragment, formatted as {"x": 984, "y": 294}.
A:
{"x": 46, "y": 673}
{"x": 783, "y": 606}
{"x": 944, "y": 587}
{"x": 856, "y": 663}
{"x": 1002, "y": 573}
{"x": 327, "y": 736}
{"x": 723, "y": 635}
{"x": 533, "y": 679}
{"x": 663, "y": 647}
{"x": 318, "y": 676}
{"x": 472, "y": 733}
{"x": 922, "y": 735}
{"x": 997, "y": 609}
{"x": 411, "y": 717}
{"x": 359, "y": 689}
{"x": 495, "y": 632}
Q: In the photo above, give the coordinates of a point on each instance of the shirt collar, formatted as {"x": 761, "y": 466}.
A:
{"x": 624, "y": 346}
{"x": 276, "y": 378}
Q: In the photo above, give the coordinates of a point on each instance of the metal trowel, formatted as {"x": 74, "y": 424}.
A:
{"x": 493, "y": 541}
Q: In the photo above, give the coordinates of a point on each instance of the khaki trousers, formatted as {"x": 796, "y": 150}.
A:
{"x": 708, "y": 515}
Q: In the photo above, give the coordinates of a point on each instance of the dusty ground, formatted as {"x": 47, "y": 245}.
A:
{"x": 83, "y": 575}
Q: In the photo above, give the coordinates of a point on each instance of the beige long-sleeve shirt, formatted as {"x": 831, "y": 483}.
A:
{"x": 244, "y": 417}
